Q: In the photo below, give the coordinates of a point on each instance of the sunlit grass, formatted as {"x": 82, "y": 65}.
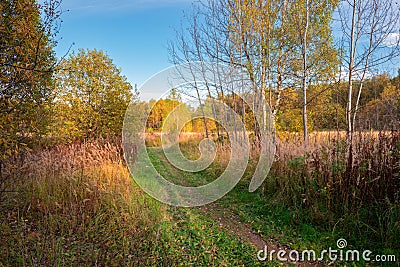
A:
{"x": 77, "y": 205}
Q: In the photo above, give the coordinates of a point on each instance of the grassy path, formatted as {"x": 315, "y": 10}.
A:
{"x": 220, "y": 214}
{"x": 226, "y": 218}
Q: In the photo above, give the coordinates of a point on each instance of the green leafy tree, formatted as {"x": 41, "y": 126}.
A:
{"x": 318, "y": 56}
{"x": 93, "y": 96}
{"x": 27, "y": 62}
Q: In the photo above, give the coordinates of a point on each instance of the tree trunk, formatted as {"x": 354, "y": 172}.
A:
{"x": 351, "y": 68}
{"x": 305, "y": 124}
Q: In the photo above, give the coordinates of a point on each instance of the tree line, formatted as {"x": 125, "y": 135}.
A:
{"x": 379, "y": 108}
{"x": 45, "y": 99}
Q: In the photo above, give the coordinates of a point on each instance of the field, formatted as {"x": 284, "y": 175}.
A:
{"x": 76, "y": 205}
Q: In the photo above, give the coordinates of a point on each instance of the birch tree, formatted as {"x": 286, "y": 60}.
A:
{"x": 370, "y": 32}
{"x": 260, "y": 38}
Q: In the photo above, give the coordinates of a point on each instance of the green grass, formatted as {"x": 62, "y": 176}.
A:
{"x": 308, "y": 224}
{"x": 195, "y": 240}
{"x": 297, "y": 227}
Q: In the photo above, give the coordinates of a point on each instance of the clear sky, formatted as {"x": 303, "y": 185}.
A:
{"x": 134, "y": 33}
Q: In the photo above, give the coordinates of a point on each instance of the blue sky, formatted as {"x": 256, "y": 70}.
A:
{"x": 134, "y": 33}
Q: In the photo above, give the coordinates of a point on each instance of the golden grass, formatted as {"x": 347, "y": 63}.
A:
{"x": 75, "y": 205}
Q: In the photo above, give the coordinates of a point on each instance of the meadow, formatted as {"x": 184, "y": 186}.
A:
{"x": 320, "y": 102}
{"x": 77, "y": 205}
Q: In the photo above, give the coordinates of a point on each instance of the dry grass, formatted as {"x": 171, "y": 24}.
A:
{"x": 372, "y": 175}
{"x": 76, "y": 205}
{"x": 357, "y": 199}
